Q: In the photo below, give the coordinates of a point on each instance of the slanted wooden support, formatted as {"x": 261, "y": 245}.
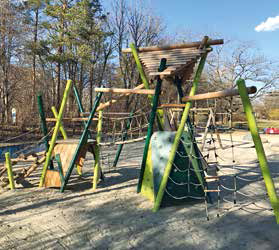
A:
{"x": 126, "y": 91}
{"x": 10, "y": 171}
{"x": 179, "y": 132}
{"x": 83, "y": 139}
{"x": 274, "y": 200}
{"x": 55, "y": 132}
{"x": 177, "y": 46}
{"x": 218, "y": 94}
{"x": 62, "y": 130}
{"x": 97, "y": 164}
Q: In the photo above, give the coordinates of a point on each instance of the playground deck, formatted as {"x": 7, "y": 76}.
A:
{"x": 116, "y": 217}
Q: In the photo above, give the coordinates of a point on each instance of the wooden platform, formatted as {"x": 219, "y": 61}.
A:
{"x": 66, "y": 150}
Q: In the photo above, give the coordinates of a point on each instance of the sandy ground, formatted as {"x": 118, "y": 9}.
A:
{"x": 116, "y": 217}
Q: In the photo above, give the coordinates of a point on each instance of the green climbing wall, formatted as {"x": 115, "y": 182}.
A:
{"x": 186, "y": 179}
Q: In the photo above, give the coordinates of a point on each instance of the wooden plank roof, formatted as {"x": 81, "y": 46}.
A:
{"x": 180, "y": 57}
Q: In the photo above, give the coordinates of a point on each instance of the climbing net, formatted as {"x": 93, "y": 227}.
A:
{"x": 230, "y": 167}
{"x": 233, "y": 174}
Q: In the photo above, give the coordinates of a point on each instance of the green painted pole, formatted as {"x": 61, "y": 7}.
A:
{"x": 81, "y": 109}
{"x": 82, "y": 140}
{"x": 80, "y": 106}
{"x": 274, "y": 200}
{"x": 55, "y": 132}
{"x": 160, "y": 113}
{"x": 178, "y": 134}
{"x": 97, "y": 165}
{"x": 62, "y": 130}
{"x": 151, "y": 123}
{"x": 43, "y": 120}
{"x": 60, "y": 169}
{"x": 10, "y": 171}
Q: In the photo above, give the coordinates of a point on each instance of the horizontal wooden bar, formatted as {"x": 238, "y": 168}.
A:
{"x": 126, "y": 91}
{"x": 110, "y": 102}
{"x": 218, "y": 94}
{"x": 76, "y": 119}
{"x": 176, "y": 46}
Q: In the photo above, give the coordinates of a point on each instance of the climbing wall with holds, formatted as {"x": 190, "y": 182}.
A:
{"x": 186, "y": 179}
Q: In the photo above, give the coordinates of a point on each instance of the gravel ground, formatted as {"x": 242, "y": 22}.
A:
{"x": 116, "y": 217}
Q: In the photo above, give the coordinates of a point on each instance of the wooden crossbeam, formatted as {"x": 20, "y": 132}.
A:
{"x": 109, "y": 103}
{"x": 206, "y": 96}
{"x": 126, "y": 91}
{"x": 177, "y": 46}
{"x": 75, "y": 119}
{"x": 218, "y": 94}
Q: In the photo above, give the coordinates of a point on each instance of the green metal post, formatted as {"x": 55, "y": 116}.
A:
{"x": 10, "y": 171}
{"x": 44, "y": 124}
{"x": 80, "y": 106}
{"x": 160, "y": 115}
{"x": 43, "y": 120}
{"x": 55, "y": 132}
{"x": 62, "y": 130}
{"x": 274, "y": 200}
{"x": 151, "y": 123}
{"x": 81, "y": 109}
{"x": 178, "y": 135}
{"x": 82, "y": 140}
{"x": 60, "y": 169}
{"x": 124, "y": 138}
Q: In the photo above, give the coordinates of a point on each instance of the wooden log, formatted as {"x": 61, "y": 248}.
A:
{"x": 126, "y": 91}
{"x": 75, "y": 119}
{"x": 177, "y": 46}
{"x": 218, "y": 94}
{"x": 109, "y": 103}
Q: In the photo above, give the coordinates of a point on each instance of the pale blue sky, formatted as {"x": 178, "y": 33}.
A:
{"x": 235, "y": 19}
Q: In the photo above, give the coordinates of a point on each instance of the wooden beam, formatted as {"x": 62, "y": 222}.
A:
{"x": 109, "y": 103}
{"x": 126, "y": 91}
{"x": 218, "y": 94}
{"x": 177, "y": 46}
{"x": 75, "y": 119}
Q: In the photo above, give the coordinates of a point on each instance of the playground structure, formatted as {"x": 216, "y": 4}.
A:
{"x": 173, "y": 168}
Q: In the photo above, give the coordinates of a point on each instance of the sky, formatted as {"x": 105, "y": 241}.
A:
{"x": 245, "y": 20}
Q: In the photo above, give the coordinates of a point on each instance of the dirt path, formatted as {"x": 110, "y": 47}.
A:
{"x": 116, "y": 217}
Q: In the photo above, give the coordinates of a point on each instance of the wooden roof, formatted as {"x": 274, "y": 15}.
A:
{"x": 177, "y": 60}
{"x": 181, "y": 58}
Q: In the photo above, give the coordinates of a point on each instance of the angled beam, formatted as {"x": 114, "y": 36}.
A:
{"x": 82, "y": 141}
{"x": 274, "y": 200}
{"x": 55, "y": 132}
{"x": 160, "y": 113}
{"x": 218, "y": 94}
{"x": 62, "y": 130}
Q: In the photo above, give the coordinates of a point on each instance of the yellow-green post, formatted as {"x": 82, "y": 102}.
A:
{"x": 97, "y": 164}
{"x": 274, "y": 200}
{"x": 10, "y": 171}
{"x": 178, "y": 135}
{"x": 61, "y": 128}
{"x": 160, "y": 112}
{"x": 55, "y": 132}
